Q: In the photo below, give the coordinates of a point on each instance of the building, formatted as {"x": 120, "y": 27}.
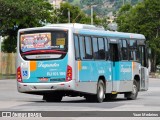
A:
{"x": 56, "y": 3}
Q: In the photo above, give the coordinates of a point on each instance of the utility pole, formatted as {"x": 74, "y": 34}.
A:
{"x": 0, "y": 49}
{"x": 91, "y": 7}
{"x": 0, "y": 43}
{"x": 56, "y": 4}
{"x": 69, "y": 16}
{"x": 123, "y": 2}
{"x": 91, "y": 14}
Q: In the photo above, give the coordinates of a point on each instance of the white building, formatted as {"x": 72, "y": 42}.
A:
{"x": 56, "y": 3}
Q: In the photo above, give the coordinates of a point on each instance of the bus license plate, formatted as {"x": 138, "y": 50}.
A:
{"x": 43, "y": 79}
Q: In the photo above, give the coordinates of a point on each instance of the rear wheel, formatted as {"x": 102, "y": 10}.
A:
{"x": 132, "y": 95}
{"x": 52, "y": 98}
{"x": 100, "y": 91}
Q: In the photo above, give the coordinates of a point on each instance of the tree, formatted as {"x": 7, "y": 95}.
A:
{"x": 143, "y": 18}
{"x": 17, "y": 14}
{"x": 76, "y": 15}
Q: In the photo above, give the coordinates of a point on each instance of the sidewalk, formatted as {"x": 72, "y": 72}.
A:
{"x": 154, "y": 75}
{"x": 2, "y": 77}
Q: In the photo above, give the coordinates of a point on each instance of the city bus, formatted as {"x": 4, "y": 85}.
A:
{"x": 60, "y": 60}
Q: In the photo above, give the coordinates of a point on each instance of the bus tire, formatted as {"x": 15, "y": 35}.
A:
{"x": 100, "y": 91}
{"x": 50, "y": 98}
{"x": 132, "y": 95}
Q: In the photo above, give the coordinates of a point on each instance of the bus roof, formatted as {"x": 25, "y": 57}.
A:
{"x": 86, "y": 29}
{"x": 77, "y": 26}
{"x": 111, "y": 34}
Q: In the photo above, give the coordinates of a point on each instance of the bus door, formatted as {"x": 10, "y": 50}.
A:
{"x": 144, "y": 69}
{"x": 114, "y": 57}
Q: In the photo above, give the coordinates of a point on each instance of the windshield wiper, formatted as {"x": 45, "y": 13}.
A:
{"x": 43, "y": 52}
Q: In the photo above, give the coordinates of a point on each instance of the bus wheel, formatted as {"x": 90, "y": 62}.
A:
{"x": 50, "y": 98}
{"x": 100, "y": 91}
{"x": 132, "y": 95}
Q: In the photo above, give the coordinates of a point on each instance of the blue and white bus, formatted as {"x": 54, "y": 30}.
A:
{"x": 81, "y": 60}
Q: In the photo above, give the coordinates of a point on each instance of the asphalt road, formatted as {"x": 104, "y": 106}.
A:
{"x": 11, "y": 100}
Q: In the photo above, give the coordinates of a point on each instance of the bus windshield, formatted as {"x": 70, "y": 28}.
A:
{"x": 43, "y": 42}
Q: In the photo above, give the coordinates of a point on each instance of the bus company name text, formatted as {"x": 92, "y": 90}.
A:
{"x": 43, "y": 65}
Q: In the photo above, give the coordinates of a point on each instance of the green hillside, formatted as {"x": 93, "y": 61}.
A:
{"x": 103, "y": 7}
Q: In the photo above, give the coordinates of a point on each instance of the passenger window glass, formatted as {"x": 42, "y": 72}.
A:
{"x": 124, "y": 43}
{"x": 101, "y": 51}
{"x": 133, "y": 44}
{"x": 88, "y": 54}
{"x": 76, "y": 44}
{"x": 106, "y": 49}
{"x": 141, "y": 52}
{"x": 95, "y": 48}
{"x": 133, "y": 49}
{"x": 124, "y": 51}
{"x": 82, "y": 48}
{"x": 133, "y": 55}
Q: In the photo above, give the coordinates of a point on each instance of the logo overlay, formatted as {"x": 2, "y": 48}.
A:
{"x": 21, "y": 114}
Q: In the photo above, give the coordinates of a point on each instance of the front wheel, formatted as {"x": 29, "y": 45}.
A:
{"x": 132, "y": 95}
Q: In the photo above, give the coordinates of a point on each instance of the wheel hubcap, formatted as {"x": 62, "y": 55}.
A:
{"x": 134, "y": 89}
{"x": 101, "y": 91}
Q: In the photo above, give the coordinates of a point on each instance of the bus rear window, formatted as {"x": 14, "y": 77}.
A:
{"x": 31, "y": 41}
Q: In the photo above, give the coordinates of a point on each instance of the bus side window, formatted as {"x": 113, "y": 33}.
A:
{"x": 106, "y": 49}
{"x": 132, "y": 49}
{"x": 123, "y": 45}
{"x": 82, "y": 47}
{"x": 88, "y": 48}
{"x": 142, "y": 55}
{"x": 76, "y": 45}
{"x": 95, "y": 48}
{"x": 101, "y": 51}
